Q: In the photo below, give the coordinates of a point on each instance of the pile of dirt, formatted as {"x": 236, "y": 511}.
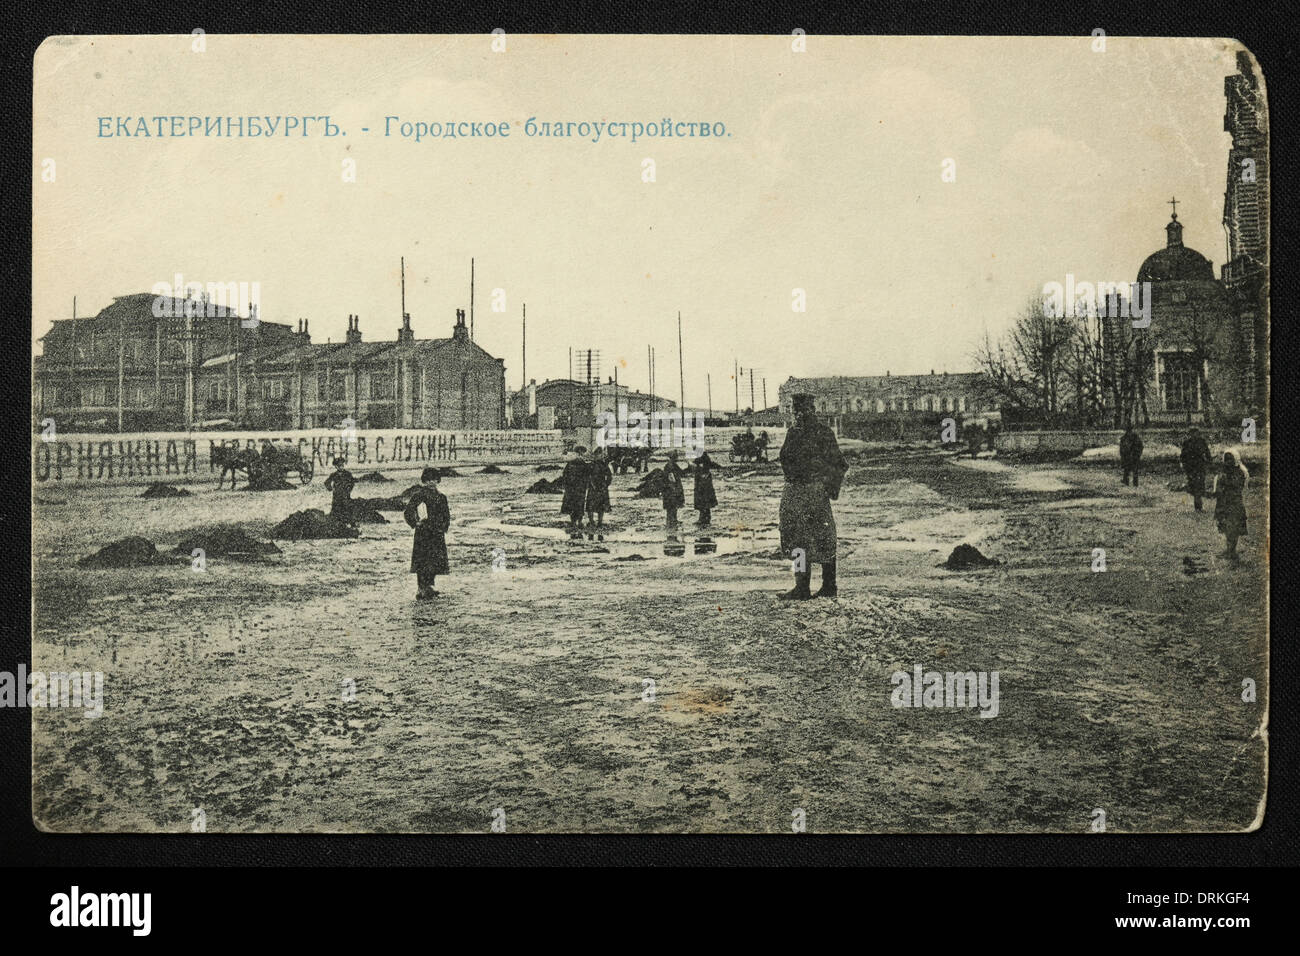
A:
{"x": 543, "y": 487}
{"x": 395, "y": 503}
{"x": 652, "y": 485}
{"x": 268, "y": 483}
{"x": 375, "y": 476}
{"x": 128, "y": 553}
{"x": 368, "y": 515}
{"x": 547, "y": 468}
{"x": 964, "y": 557}
{"x": 312, "y": 524}
{"x": 631, "y": 557}
{"x": 492, "y": 470}
{"x": 159, "y": 490}
{"x": 449, "y": 473}
{"x": 226, "y": 540}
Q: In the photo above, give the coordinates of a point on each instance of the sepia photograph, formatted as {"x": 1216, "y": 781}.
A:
{"x": 648, "y": 434}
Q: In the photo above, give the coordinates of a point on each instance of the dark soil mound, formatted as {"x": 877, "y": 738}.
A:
{"x": 450, "y": 473}
{"x": 964, "y": 557}
{"x": 652, "y": 485}
{"x": 492, "y": 470}
{"x": 159, "y": 490}
{"x": 631, "y": 557}
{"x": 229, "y": 541}
{"x": 368, "y": 515}
{"x": 547, "y": 468}
{"x": 375, "y": 476}
{"x": 395, "y": 503}
{"x": 268, "y": 483}
{"x": 312, "y": 524}
{"x": 127, "y": 553}
{"x": 543, "y": 487}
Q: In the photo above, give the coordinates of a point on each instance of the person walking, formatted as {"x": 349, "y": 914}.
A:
{"x": 1229, "y": 500}
{"x": 814, "y": 469}
{"x": 429, "y": 549}
{"x": 1196, "y": 460}
{"x": 1130, "y": 453}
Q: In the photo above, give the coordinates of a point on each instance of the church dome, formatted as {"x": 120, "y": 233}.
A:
{"x": 1175, "y": 262}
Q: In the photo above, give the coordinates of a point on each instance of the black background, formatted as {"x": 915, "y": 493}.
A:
{"x": 1268, "y": 33}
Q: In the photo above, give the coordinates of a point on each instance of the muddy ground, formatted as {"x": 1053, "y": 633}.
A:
{"x": 524, "y": 688}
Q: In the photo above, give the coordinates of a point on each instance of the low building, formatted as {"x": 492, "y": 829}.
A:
{"x": 892, "y": 406}
{"x": 220, "y": 370}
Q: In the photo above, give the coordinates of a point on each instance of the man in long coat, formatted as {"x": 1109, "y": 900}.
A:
{"x": 672, "y": 495}
{"x": 429, "y": 550}
{"x": 598, "y": 479}
{"x": 1195, "y": 459}
{"x": 574, "y": 479}
{"x": 704, "y": 498}
{"x": 814, "y": 468}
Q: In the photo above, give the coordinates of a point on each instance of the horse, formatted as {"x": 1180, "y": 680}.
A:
{"x": 233, "y": 459}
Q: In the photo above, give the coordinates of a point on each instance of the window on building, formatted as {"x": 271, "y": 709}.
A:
{"x": 961, "y": 404}
{"x": 1179, "y": 382}
{"x": 381, "y": 385}
{"x": 417, "y": 385}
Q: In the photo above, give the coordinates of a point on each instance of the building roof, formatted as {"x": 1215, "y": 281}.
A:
{"x": 1175, "y": 262}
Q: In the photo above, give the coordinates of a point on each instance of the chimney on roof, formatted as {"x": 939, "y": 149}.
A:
{"x": 354, "y": 330}
{"x": 303, "y": 335}
{"x": 459, "y": 332}
{"x": 405, "y": 334}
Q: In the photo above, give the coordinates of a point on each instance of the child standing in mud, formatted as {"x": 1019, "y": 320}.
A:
{"x": 673, "y": 495}
{"x": 429, "y": 550}
{"x": 1230, "y": 503}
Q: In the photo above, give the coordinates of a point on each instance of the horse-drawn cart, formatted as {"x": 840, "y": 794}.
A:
{"x": 267, "y": 468}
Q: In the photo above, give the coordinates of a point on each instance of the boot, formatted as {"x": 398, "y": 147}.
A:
{"x": 800, "y": 591}
{"x": 828, "y": 588}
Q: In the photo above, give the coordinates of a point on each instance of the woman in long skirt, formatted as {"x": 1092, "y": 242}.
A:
{"x": 427, "y": 512}
{"x": 1230, "y": 504}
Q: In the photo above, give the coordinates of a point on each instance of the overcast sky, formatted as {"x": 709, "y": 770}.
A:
{"x": 829, "y": 180}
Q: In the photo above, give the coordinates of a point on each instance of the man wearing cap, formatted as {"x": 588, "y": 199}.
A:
{"x": 574, "y": 479}
{"x": 427, "y": 512}
{"x": 814, "y": 468}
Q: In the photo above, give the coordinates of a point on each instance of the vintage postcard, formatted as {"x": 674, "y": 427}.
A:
{"x": 649, "y": 434}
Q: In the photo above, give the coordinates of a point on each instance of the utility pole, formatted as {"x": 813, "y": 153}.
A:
{"x": 764, "y": 392}
{"x": 751, "y": 395}
{"x": 525, "y": 356}
{"x": 735, "y": 377}
{"x": 471, "y": 299}
{"x": 708, "y": 381}
{"x": 403, "y": 289}
{"x": 681, "y": 368}
{"x": 121, "y": 368}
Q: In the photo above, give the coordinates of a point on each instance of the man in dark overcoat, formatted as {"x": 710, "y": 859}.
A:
{"x": 1195, "y": 459}
{"x": 427, "y": 512}
{"x": 814, "y": 469}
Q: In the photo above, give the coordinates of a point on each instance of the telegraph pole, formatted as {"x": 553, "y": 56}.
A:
{"x": 471, "y": 299}
{"x": 708, "y": 381}
{"x": 681, "y": 368}
{"x": 525, "y": 356}
{"x": 735, "y": 364}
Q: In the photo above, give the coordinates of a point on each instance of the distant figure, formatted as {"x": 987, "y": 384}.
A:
{"x": 1230, "y": 504}
{"x": 814, "y": 470}
{"x": 704, "y": 498}
{"x": 673, "y": 495}
{"x": 1130, "y": 453}
{"x": 974, "y": 440}
{"x": 599, "y": 477}
{"x": 429, "y": 551}
{"x": 341, "y": 483}
{"x": 574, "y": 478}
{"x": 1195, "y": 458}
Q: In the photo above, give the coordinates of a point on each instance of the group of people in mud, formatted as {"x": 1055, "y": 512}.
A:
{"x": 1228, "y": 489}
{"x": 811, "y": 463}
{"x": 587, "y": 476}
